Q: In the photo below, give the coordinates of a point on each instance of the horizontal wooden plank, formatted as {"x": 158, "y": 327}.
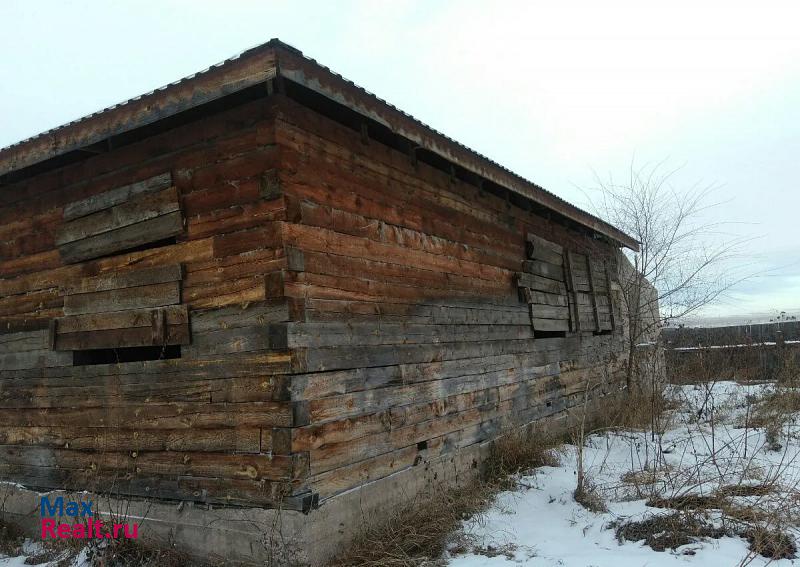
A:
{"x": 175, "y": 315}
{"x": 319, "y": 359}
{"x": 122, "y": 338}
{"x": 539, "y": 283}
{"x": 240, "y": 440}
{"x": 236, "y": 339}
{"x": 542, "y": 298}
{"x": 540, "y": 242}
{"x": 220, "y": 465}
{"x": 116, "y": 196}
{"x": 407, "y": 403}
{"x": 550, "y": 312}
{"x": 177, "y": 415}
{"x": 425, "y": 313}
{"x": 120, "y": 279}
{"x": 132, "y": 212}
{"x": 142, "y": 297}
{"x": 325, "y": 384}
{"x": 23, "y": 341}
{"x": 152, "y": 230}
{"x": 256, "y": 313}
{"x": 15, "y": 361}
{"x": 544, "y": 269}
{"x": 544, "y": 255}
{"x": 379, "y": 333}
{"x": 550, "y": 324}
{"x": 21, "y": 324}
{"x": 141, "y": 390}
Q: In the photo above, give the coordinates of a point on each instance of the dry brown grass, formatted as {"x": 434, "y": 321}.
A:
{"x": 519, "y": 452}
{"x": 420, "y": 531}
{"x": 589, "y": 497}
{"x": 670, "y": 531}
{"x": 774, "y": 408}
{"x": 771, "y": 543}
{"x": 130, "y": 553}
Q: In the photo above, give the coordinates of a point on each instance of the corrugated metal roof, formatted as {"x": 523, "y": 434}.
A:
{"x": 257, "y": 65}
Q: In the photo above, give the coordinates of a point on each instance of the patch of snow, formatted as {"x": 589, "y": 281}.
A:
{"x": 541, "y": 525}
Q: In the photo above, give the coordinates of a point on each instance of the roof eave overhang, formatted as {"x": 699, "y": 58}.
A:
{"x": 258, "y": 66}
{"x": 311, "y": 75}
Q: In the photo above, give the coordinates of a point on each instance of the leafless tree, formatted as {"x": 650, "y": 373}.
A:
{"x": 684, "y": 262}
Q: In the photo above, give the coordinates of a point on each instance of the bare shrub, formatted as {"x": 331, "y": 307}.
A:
{"x": 684, "y": 262}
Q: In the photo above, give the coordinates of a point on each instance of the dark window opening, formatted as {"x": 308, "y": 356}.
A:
{"x": 127, "y": 354}
{"x": 147, "y": 246}
{"x": 422, "y": 446}
{"x": 549, "y": 334}
{"x": 604, "y": 332}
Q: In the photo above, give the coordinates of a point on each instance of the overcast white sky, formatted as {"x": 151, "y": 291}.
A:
{"x": 553, "y": 90}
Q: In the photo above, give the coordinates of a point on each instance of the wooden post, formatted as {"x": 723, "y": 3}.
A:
{"x": 528, "y": 295}
{"x": 159, "y": 326}
{"x": 610, "y": 298}
{"x": 571, "y": 281}
{"x": 51, "y": 335}
{"x": 592, "y": 295}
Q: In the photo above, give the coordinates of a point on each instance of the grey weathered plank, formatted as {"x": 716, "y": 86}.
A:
{"x": 544, "y": 269}
{"x": 122, "y": 338}
{"x": 175, "y": 315}
{"x": 131, "y": 212}
{"x": 550, "y": 312}
{"x": 142, "y": 297}
{"x": 254, "y": 314}
{"x": 128, "y": 278}
{"x": 550, "y": 324}
{"x": 539, "y": 283}
{"x": 116, "y": 196}
{"x": 540, "y": 243}
{"x": 123, "y": 238}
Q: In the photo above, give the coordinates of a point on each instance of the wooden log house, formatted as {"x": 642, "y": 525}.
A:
{"x": 263, "y": 286}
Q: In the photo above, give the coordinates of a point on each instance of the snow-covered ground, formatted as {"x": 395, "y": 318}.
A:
{"x": 706, "y": 447}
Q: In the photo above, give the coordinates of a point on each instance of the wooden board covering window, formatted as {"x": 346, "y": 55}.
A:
{"x": 129, "y": 309}
{"x": 564, "y": 290}
{"x": 543, "y": 285}
{"x": 120, "y": 219}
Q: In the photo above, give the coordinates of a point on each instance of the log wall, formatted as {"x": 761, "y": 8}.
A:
{"x": 265, "y": 305}
{"x": 136, "y": 291}
{"x": 429, "y": 314}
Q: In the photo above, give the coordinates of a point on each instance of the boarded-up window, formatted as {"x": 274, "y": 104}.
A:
{"x": 121, "y": 219}
{"x": 565, "y": 291}
{"x": 130, "y": 309}
{"x": 543, "y": 286}
{"x": 589, "y": 284}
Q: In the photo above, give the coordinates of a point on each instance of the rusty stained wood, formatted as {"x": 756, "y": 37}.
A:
{"x": 116, "y": 196}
